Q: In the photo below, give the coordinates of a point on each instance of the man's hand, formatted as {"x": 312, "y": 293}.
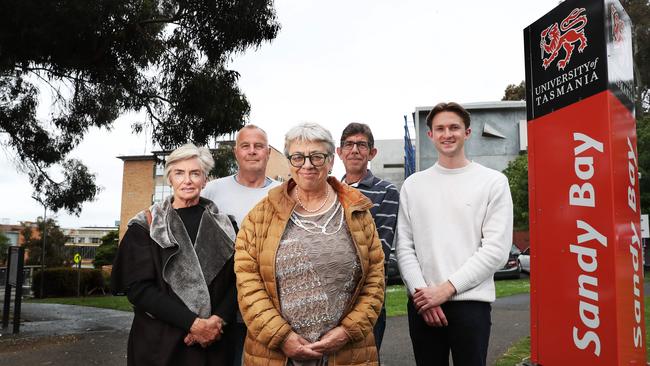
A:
{"x": 435, "y": 317}
{"x": 331, "y": 341}
{"x": 205, "y": 331}
{"x": 298, "y": 348}
{"x": 426, "y": 298}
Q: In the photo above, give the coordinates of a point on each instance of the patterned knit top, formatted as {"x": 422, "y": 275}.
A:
{"x": 317, "y": 269}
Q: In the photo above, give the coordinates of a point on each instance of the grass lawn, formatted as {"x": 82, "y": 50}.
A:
{"x": 512, "y": 287}
{"x": 396, "y": 295}
{"x": 515, "y": 354}
{"x": 106, "y": 302}
{"x": 396, "y": 300}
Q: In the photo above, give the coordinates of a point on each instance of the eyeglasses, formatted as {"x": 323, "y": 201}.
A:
{"x": 316, "y": 159}
{"x": 361, "y": 145}
{"x": 180, "y": 176}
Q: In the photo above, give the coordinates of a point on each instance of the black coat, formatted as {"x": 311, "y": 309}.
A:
{"x": 162, "y": 320}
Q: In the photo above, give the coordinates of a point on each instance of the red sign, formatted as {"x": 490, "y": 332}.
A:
{"x": 586, "y": 268}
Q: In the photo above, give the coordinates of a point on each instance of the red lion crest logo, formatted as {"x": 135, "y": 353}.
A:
{"x": 570, "y": 31}
{"x": 617, "y": 25}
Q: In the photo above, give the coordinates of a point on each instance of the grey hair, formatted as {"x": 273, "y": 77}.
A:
{"x": 190, "y": 151}
{"x": 309, "y": 132}
{"x": 251, "y": 126}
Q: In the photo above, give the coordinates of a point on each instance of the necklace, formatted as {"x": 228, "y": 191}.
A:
{"x": 309, "y": 226}
{"x": 327, "y": 196}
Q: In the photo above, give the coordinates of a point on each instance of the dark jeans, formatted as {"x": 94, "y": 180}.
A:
{"x": 467, "y": 335}
{"x": 380, "y": 327}
{"x": 239, "y": 335}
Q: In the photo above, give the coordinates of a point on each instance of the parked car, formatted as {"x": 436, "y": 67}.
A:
{"x": 524, "y": 260}
{"x": 392, "y": 270}
{"x": 511, "y": 270}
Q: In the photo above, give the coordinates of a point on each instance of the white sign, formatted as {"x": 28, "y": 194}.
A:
{"x": 645, "y": 227}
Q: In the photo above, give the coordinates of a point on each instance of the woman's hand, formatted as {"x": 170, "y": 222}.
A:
{"x": 331, "y": 341}
{"x": 298, "y": 348}
{"x": 205, "y": 331}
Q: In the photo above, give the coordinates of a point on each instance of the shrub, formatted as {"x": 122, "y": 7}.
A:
{"x": 106, "y": 252}
{"x": 62, "y": 282}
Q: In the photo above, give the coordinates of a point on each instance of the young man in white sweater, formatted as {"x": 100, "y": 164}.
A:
{"x": 454, "y": 230}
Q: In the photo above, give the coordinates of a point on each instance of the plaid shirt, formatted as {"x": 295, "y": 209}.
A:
{"x": 385, "y": 205}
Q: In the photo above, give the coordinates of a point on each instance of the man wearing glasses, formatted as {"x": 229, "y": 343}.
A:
{"x": 237, "y": 194}
{"x": 356, "y": 150}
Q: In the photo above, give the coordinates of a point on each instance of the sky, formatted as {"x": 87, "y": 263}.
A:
{"x": 333, "y": 62}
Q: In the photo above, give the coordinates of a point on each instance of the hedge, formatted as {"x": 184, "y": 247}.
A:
{"x": 62, "y": 282}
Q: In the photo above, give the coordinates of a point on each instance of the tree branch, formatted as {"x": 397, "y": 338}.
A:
{"x": 59, "y": 96}
{"x": 173, "y": 19}
{"x": 34, "y": 70}
{"x": 151, "y": 114}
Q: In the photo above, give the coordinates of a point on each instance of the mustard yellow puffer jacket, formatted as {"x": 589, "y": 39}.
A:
{"x": 255, "y": 251}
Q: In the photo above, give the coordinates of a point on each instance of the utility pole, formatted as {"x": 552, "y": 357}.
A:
{"x": 44, "y": 233}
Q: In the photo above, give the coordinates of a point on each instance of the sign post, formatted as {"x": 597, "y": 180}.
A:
{"x": 586, "y": 270}
{"x": 15, "y": 278}
{"x": 77, "y": 261}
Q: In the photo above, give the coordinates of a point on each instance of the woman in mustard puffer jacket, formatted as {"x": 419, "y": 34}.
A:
{"x": 309, "y": 265}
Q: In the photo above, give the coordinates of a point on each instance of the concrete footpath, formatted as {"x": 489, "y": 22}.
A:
{"x": 510, "y": 322}
{"x": 76, "y": 335}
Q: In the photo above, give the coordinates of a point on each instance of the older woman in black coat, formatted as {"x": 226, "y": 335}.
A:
{"x": 175, "y": 264}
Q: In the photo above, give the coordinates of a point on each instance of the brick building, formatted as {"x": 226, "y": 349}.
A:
{"x": 13, "y": 232}
{"x": 143, "y": 181}
{"x": 15, "y": 235}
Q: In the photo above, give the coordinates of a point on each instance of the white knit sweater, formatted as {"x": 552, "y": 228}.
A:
{"x": 456, "y": 225}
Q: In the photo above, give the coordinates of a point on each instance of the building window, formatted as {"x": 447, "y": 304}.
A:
{"x": 95, "y": 240}
{"x": 13, "y": 238}
{"x": 161, "y": 191}
{"x": 86, "y": 252}
{"x": 160, "y": 169}
{"x": 400, "y": 166}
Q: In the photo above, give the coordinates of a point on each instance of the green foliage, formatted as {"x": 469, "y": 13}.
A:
{"x": 517, "y": 173}
{"x": 4, "y": 247}
{"x": 63, "y": 281}
{"x": 225, "y": 163}
{"x": 643, "y": 151}
{"x": 97, "y": 60}
{"x": 55, "y": 252}
{"x": 515, "y": 92}
{"x": 107, "y": 250}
